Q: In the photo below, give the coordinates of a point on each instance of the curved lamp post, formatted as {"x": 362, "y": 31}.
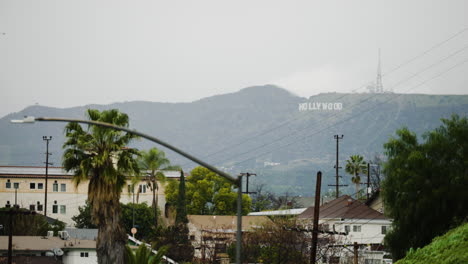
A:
{"x": 237, "y": 181}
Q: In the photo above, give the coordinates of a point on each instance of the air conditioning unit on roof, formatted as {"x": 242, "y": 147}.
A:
{"x": 63, "y": 235}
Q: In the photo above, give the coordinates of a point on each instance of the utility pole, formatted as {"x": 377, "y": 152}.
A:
{"x": 133, "y": 221}
{"x": 337, "y": 166}
{"x": 46, "y": 139}
{"x": 313, "y": 249}
{"x": 368, "y": 180}
{"x": 16, "y": 186}
{"x": 247, "y": 175}
{"x": 12, "y": 212}
{"x": 356, "y": 253}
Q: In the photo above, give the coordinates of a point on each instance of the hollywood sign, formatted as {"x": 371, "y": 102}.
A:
{"x": 320, "y": 106}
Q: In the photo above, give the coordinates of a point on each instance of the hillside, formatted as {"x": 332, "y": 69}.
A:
{"x": 240, "y": 131}
{"x": 450, "y": 248}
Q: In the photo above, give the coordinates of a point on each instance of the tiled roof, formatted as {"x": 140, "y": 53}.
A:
{"x": 344, "y": 207}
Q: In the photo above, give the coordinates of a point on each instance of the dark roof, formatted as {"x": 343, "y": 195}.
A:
{"x": 344, "y": 207}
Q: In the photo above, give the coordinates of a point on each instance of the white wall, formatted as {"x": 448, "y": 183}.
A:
{"x": 370, "y": 233}
{"x": 74, "y": 257}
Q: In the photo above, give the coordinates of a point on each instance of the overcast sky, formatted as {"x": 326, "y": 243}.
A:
{"x": 70, "y": 53}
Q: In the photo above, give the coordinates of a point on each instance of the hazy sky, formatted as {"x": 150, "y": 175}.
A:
{"x": 70, "y": 53}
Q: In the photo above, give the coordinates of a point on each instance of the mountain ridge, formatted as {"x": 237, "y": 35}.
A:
{"x": 249, "y": 127}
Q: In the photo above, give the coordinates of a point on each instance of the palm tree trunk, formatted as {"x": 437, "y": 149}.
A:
{"x": 110, "y": 245}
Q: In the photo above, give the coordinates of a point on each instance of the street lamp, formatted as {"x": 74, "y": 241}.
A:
{"x": 237, "y": 181}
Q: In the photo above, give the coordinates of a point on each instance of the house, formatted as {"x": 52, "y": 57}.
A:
{"x": 25, "y": 186}
{"x": 49, "y": 250}
{"x": 211, "y": 234}
{"x": 345, "y": 215}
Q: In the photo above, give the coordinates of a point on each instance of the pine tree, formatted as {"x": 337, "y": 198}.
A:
{"x": 181, "y": 209}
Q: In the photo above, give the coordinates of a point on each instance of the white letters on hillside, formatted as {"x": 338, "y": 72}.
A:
{"x": 320, "y": 106}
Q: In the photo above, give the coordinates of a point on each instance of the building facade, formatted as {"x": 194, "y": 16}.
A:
{"x": 25, "y": 186}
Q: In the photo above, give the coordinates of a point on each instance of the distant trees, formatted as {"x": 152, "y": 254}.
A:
{"x": 356, "y": 166}
{"x": 27, "y": 224}
{"x": 144, "y": 218}
{"x": 100, "y": 155}
{"x": 425, "y": 186}
{"x": 276, "y": 242}
{"x": 208, "y": 193}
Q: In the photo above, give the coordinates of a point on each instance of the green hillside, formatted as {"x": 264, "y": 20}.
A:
{"x": 451, "y": 248}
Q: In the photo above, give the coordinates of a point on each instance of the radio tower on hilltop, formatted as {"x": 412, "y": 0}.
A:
{"x": 377, "y": 87}
{"x": 378, "y": 82}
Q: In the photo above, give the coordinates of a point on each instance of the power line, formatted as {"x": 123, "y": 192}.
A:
{"x": 267, "y": 131}
{"x": 346, "y": 120}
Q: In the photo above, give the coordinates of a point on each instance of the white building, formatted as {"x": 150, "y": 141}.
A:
{"x": 25, "y": 186}
{"x": 38, "y": 249}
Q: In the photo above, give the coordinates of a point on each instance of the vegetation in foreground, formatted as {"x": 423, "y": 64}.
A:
{"x": 450, "y": 248}
{"x": 425, "y": 187}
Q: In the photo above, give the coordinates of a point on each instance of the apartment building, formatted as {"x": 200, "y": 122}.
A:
{"x": 25, "y": 186}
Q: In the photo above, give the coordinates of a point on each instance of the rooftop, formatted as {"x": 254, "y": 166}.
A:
{"x": 344, "y": 207}
{"x": 43, "y": 243}
{"x": 226, "y": 222}
{"x": 53, "y": 172}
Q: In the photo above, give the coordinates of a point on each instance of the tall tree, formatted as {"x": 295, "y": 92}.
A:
{"x": 100, "y": 155}
{"x": 208, "y": 193}
{"x": 153, "y": 162}
{"x": 355, "y": 166}
{"x": 425, "y": 186}
{"x": 181, "y": 207}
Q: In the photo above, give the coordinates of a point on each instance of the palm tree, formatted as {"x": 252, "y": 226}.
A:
{"x": 154, "y": 161}
{"x": 143, "y": 255}
{"x": 354, "y": 166}
{"x": 99, "y": 154}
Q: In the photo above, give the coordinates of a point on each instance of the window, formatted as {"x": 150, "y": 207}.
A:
{"x": 192, "y": 237}
{"x": 32, "y": 185}
{"x": 63, "y": 209}
{"x": 346, "y": 228}
{"x": 7, "y": 205}
{"x": 55, "y": 208}
{"x": 357, "y": 228}
{"x": 63, "y": 187}
{"x": 16, "y": 185}
{"x": 55, "y": 187}
{"x": 142, "y": 188}
{"x": 129, "y": 188}
{"x": 32, "y": 207}
{"x": 384, "y": 230}
{"x": 39, "y": 207}
{"x": 40, "y": 186}
{"x": 84, "y": 254}
{"x": 8, "y": 184}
